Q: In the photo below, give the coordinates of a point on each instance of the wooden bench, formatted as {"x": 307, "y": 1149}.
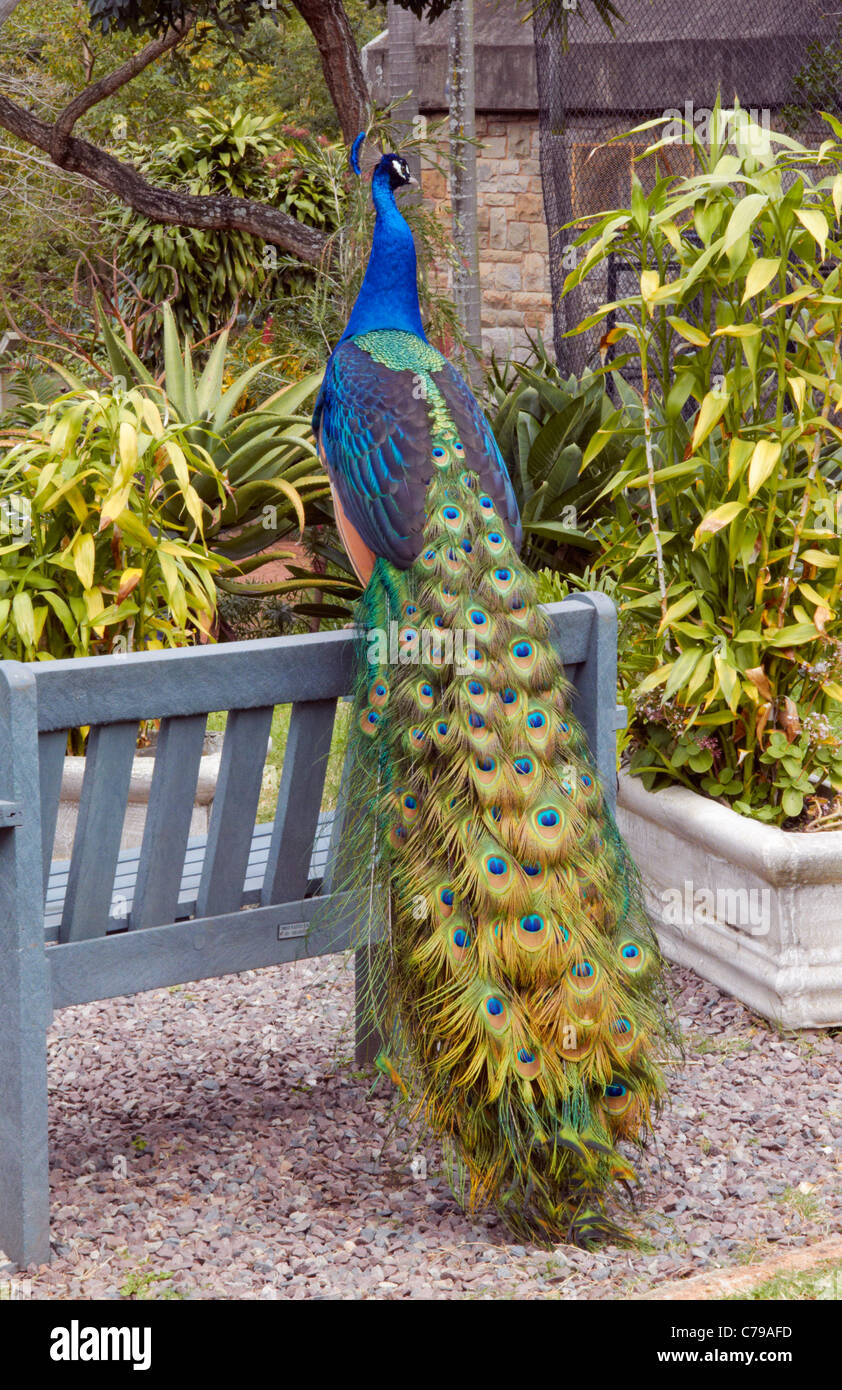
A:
{"x": 241, "y": 897}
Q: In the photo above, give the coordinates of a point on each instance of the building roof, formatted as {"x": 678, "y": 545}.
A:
{"x": 666, "y": 53}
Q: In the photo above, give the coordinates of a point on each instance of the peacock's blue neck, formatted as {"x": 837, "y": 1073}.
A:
{"x": 388, "y": 296}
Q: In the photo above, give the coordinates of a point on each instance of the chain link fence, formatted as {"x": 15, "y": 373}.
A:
{"x": 781, "y": 60}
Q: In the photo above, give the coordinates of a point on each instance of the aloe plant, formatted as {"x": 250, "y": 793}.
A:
{"x": 276, "y": 495}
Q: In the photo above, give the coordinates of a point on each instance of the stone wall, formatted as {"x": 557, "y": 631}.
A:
{"x": 513, "y": 247}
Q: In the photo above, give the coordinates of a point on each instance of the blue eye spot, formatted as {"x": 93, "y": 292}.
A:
{"x": 451, "y": 513}
{"x": 630, "y": 952}
{"x": 548, "y": 818}
{"x": 565, "y": 728}
{"x": 532, "y": 923}
{"x": 475, "y": 687}
{"x": 532, "y": 870}
{"x": 524, "y": 1055}
{"x": 615, "y": 1090}
{"x": 509, "y": 696}
{"x": 523, "y": 765}
{"x": 438, "y": 452}
{"x": 441, "y": 729}
{"x": 476, "y": 721}
{"x": 380, "y": 690}
{"x": 516, "y": 605}
{"x": 485, "y": 764}
{"x": 496, "y": 813}
{"x": 487, "y": 503}
{"x": 586, "y": 780}
{"x": 496, "y": 866}
{"x": 426, "y": 690}
{"x": 536, "y": 720}
{"x": 621, "y": 1025}
{"x": 494, "y": 1007}
{"x": 583, "y": 971}
{"x": 410, "y": 803}
{"x": 447, "y": 896}
{"x": 466, "y": 545}
{"x": 502, "y": 575}
{"x": 411, "y": 608}
{"x": 495, "y": 538}
{"x": 429, "y": 554}
{"x": 523, "y": 650}
{"x": 457, "y": 444}
{"x": 460, "y": 939}
{"x": 372, "y": 717}
{"x": 477, "y": 618}
{"x": 438, "y": 620}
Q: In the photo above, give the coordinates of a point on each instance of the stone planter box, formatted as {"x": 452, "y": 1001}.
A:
{"x": 141, "y": 781}
{"x": 755, "y": 909}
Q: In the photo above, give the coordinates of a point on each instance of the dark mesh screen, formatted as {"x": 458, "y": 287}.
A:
{"x": 782, "y": 61}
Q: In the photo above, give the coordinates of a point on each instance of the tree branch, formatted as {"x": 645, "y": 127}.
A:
{"x": 111, "y": 83}
{"x": 343, "y": 72}
{"x": 209, "y": 212}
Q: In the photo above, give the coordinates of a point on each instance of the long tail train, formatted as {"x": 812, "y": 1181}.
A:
{"x": 521, "y": 982}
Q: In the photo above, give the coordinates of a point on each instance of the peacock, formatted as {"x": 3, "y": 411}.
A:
{"x": 523, "y": 1005}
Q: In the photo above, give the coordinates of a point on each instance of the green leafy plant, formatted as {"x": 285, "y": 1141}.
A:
{"x": 89, "y": 561}
{"x": 544, "y": 425}
{"x": 276, "y": 503}
{"x": 724, "y": 536}
{"x": 208, "y": 277}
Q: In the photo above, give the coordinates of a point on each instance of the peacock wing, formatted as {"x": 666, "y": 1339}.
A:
{"x": 374, "y": 439}
{"x": 383, "y": 398}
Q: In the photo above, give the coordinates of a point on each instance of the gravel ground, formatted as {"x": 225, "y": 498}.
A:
{"x": 217, "y": 1141}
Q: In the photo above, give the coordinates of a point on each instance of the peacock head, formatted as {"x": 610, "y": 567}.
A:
{"x": 392, "y": 168}
{"x": 395, "y": 168}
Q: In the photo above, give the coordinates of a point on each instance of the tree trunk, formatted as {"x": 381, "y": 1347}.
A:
{"x": 331, "y": 28}
{"x": 463, "y": 169}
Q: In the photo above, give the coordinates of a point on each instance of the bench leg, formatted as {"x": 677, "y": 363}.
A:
{"x": 24, "y": 1175}
{"x": 25, "y": 992}
{"x": 368, "y": 1002}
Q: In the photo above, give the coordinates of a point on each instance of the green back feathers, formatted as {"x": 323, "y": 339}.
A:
{"x": 523, "y": 990}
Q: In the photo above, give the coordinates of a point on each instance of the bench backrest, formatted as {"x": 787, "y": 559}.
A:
{"x": 95, "y": 956}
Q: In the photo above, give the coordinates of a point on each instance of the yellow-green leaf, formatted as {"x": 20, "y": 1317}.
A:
{"x": 763, "y": 460}
{"x": 712, "y": 409}
{"x": 741, "y": 219}
{"x": 760, "y": 273}
{"x": 677, "y": 610}
{"x": 816, "y": 224}
{"x": 655, "y": 678}
{"x": 714, "y": 521}
{"x": 689, "y": 331}
{"x": 739, "y": 453}
{"x": 729, "y": 681}
{"x": 820, "y": 559}
{"x": 24, "y": 618}
{"x": 84, "y": 555}
{"x": 128, "y": 447}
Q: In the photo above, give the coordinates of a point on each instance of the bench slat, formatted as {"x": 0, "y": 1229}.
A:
{"x": 96, "y": 844}
{"x": 299, "y": 800}
{"x": 220, "y": 945}
{"x": 51, "y": 750}
{"x": 234, "y": 811}
{"x": 177, "y": 756}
